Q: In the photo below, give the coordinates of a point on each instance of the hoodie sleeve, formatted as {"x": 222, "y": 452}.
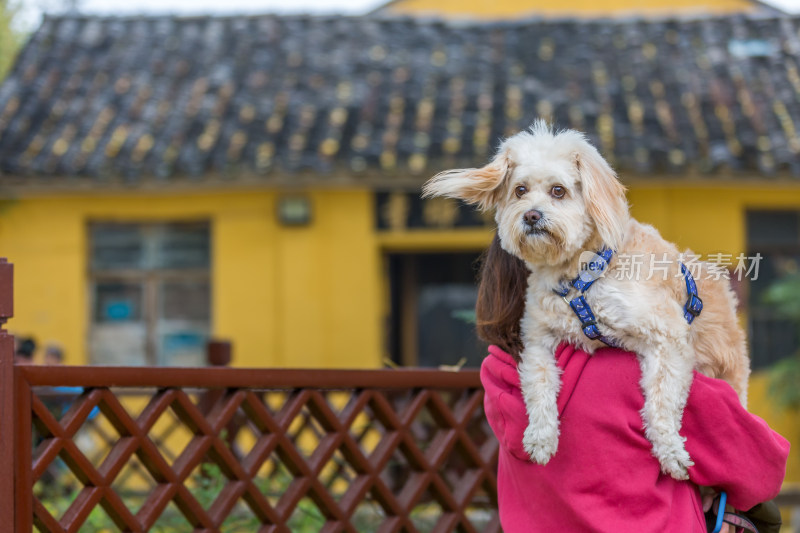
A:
{"x": 732, "y": 450}
{"x": 503, "y": 403}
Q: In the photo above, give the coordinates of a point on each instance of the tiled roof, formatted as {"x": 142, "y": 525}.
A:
{"x": 162, "y": 97}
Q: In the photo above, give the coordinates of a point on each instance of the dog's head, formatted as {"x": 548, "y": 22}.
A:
{"x": 553, "y": 193}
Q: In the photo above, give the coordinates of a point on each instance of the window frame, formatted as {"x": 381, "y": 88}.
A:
{"x": 759, "y": 317}
{"x": 150, "y": 279}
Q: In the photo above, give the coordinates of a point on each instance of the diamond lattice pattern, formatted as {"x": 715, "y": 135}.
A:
{"x": 238, "y": 459}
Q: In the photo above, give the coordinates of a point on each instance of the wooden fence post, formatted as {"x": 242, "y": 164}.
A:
{"x": 7, "y": 433}
{"x": 218, "y": 352}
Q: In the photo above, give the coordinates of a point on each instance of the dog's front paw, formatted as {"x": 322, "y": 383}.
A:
{"x": 540, "y": 445}
{"x": 676, "y": 464}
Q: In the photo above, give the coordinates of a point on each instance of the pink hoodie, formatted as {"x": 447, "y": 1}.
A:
{"x": 603, "y": 476}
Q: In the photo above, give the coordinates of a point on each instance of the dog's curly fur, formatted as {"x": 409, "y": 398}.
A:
{"x": 642, "y": 313}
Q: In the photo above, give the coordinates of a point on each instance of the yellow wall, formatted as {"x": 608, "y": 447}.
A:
{"x": 707, "y": 218}
{"x": 292, "y": 297}
{"x": 588, "y": 8}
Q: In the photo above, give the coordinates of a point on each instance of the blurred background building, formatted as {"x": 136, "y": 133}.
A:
{"x": 165, "y": 179}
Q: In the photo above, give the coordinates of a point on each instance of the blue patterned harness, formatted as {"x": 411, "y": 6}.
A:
{"x": 594, "y": 270}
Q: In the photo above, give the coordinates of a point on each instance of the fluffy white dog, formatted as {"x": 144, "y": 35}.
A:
{"x": 558, "y": 202}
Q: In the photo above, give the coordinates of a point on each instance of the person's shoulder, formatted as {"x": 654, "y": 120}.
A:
{"x": 499, "y": 356}
{"x": 500, "y": 368}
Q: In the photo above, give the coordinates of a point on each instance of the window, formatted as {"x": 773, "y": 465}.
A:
{"x": 776, "y": 236}
{"x": 150, "y": 293}
{"x": 432, "y": 309}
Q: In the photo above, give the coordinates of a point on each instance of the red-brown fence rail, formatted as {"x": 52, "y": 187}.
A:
{"x": 220, "y": 449}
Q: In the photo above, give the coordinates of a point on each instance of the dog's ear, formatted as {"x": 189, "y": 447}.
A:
{"x": 477, "y": 186}
{"x": 603, "y": 195}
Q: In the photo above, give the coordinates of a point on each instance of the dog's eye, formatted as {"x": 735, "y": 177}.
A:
{"x": 520, "y": 190}
{"x": 558, "y": 191}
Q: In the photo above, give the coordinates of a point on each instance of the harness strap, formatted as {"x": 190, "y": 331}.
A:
{"x": 694, "y": 304}
{"x": 740, "y": 522}
{"x": 584, "y": 313}
{"x": 594, "y": 270}
{"x": 588, "y": 275}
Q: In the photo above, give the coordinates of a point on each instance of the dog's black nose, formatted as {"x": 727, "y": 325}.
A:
{"x": 532, "y": 217}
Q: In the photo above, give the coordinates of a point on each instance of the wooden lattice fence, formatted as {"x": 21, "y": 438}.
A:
{"x": 221, "y": 449}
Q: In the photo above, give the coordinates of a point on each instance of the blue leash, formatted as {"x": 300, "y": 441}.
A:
{"x": 723, "y": 499}
{"x": 592, "y": 272}
{"x": 738, "y": 521}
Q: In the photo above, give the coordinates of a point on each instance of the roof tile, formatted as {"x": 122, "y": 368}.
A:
{"x": 161, "y": 97}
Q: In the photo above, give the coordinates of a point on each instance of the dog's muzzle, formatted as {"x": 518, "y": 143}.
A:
{"x": 533, "y": 221}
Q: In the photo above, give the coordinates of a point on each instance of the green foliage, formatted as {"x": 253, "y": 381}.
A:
{"x": 465, "y": 315}
{"x": 59, "y": 494}
{"x": 785, "y": 382}
{"x": 783, "y": 296}
{"x": 307, "y": 518}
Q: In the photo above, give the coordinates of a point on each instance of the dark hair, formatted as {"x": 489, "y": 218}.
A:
{"x": 501, "y": 298}
{"x": 26, "y": 348}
